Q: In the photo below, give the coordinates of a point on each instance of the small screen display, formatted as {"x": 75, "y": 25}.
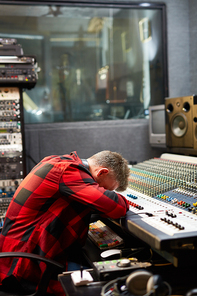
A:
{"x": 2, "y": 66}
{"x": 158, "y": 122}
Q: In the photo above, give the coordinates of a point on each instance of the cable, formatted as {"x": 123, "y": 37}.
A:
{"x": 139, "y": 250}
{"x": 163, "y": 264}
{"x": 109, "y": 292}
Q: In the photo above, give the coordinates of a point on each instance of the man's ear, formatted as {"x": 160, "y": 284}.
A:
{"x": 102, "y": 171}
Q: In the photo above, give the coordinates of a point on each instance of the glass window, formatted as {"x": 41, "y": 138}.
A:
{"x": 97, "y": 63}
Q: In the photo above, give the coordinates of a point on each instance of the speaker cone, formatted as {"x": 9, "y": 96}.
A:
{"x": 179, "y": 125}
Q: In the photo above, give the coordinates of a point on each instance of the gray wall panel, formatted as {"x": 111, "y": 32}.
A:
{"x": 32, "y": 148}
{"x": 130, "y": 138}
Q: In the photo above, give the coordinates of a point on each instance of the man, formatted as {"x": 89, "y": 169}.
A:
{"x": 50, "y": 211}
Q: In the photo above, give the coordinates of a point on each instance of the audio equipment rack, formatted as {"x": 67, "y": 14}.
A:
{"x": 162, "y": 195}
{"x": 17, "y": 72}
{"x": 12, "y": 161}
{"x": 16, "y": 69}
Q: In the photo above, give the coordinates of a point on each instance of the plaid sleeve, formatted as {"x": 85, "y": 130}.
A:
{"x": 49, "y": 214}
{"x": 78, "y": 184}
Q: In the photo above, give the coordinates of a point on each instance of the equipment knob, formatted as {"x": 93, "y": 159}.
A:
{"x": 125, "y": 262}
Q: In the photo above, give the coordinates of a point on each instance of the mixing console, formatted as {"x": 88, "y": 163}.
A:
{"x": 162, "y": 195}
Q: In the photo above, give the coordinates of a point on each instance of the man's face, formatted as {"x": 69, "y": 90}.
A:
{"x": 106, "y": 180}
{"x": 108, "y": 183}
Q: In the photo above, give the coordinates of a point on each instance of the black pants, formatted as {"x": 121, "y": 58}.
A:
{"x": 11, "y": 285}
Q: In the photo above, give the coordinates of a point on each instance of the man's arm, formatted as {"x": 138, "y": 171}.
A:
{"x": 80, "y": 186}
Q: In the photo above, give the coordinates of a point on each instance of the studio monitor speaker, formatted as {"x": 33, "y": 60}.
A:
{"x": 181, "y": 122}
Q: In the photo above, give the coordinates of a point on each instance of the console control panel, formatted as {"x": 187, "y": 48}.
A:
{"x": 162, "y": 195}
{"x": 109, "y": 269}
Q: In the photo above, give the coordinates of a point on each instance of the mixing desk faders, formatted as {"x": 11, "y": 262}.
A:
{"x": 162, "y": 195}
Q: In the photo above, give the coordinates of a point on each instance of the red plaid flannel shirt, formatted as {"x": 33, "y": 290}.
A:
{"x": 50, "y": 211}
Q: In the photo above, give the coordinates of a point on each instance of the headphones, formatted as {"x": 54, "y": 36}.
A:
{"x": 192, "y": 292}
{"x": 138, "y": 283}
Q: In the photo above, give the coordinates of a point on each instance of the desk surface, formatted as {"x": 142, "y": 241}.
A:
{"x": 93, "y": 289}
{"x": 181, "y": 279}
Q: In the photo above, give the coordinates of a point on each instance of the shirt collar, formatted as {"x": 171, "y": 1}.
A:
{"x": 85, "y": 163}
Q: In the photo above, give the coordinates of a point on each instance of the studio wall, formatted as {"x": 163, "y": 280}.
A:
{"x": 129, "y": 137}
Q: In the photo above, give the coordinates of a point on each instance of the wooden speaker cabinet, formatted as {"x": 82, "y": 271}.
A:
{"x": 181, "y": 122}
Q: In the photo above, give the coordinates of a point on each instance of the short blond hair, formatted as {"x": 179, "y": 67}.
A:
{"x": 116, "y": 164}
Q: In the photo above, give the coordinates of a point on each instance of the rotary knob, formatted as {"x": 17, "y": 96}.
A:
{"x": 124, "y": 263}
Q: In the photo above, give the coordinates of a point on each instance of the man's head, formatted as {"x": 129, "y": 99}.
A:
{"x": 110, "y": 170}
